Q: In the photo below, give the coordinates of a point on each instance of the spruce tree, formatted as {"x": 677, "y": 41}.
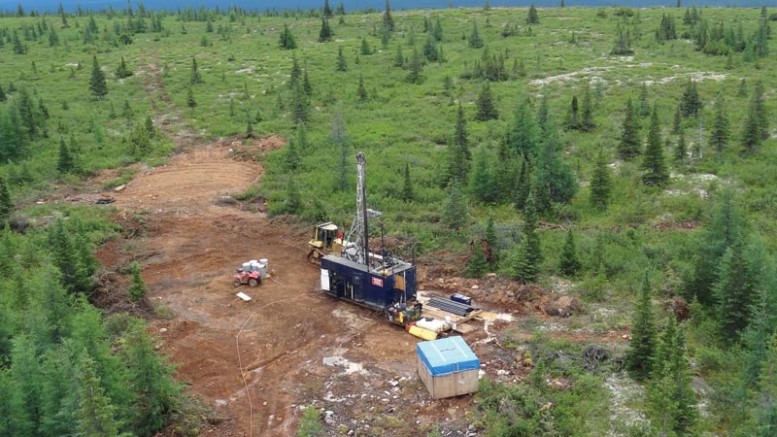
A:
{"x": 307, "y": 87}
{"x": 690, "y": 102}
{"x": 569, "y": 263}
{"x": 543, "y": 112}
{"x": 486, "y": 110}
{"x": 653, "y": 163}
{"x": 522, "y": 185}
{"x": 327, "y": 10}
{"x": 430, "y": 49}
{"x": 388, "y": 20}
{"x": 196, "y": 77}
{"x": 459, "y": 156}
{"x": 573, "y": 119}
{"x": 587, "y": 123}
{"x": 325, "y": 34}
{"x": 342, "y": 65}
{"x": 399, "y": 58}
{"x": 493, "y": 244}
{"x": 600, "y": 184}
{"x": 644, "y": 105}
{"x": 532, "y": 17}
{"x": 97, "y": 84}
{"x": 670, "y": 395}
{"x": 65, "y": 163}
{"x": 455, "y": 213}
{"x": 437, "y": 29}
{"x": 639, "y": 355}
{"x": 3, "y": 97}
{"x": 527, "y": 263}
{"x": 483, "y": 183}
{"x": 137, "y": 289}
{"x": 629, "y": 146}
{"x": 524, "y": 135}
{"x": 415, "y": 67}
{"x": 365, "y": 48}
{"x": 751, "y": 128}
{"x": 677, "y": 123}
{"x": 680, "y": 150}
{"x": 476, "y": 265}
{"x": 760, "y": 110}
{"x": 123, "y": 70}
{"x": 474, "y": 40}
{"x": 720, "y": 130}
{"x": 407, "y": 185}
{"x": 6, "y": 204}
{"x": 735, "y": 291}
{"x": 286, "y": 40}
{"x": 190, "y": 101}
{"x": 300, "y": 105}
{"x": 296, "y": 72}
{"x": 95, "y": 414}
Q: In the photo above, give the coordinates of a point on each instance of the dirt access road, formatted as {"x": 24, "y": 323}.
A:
{"x": 251, "y": 361}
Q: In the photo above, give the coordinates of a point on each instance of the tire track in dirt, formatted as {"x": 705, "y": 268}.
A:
{"x": 189, "y": 250}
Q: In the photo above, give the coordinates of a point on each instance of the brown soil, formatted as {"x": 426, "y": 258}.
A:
{"x": 258, "y": 363}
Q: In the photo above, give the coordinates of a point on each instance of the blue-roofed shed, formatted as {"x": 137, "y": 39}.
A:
{"x": 448, "y": 367}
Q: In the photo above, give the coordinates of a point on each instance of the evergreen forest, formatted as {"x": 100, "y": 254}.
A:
{"x": 628, "y": 154}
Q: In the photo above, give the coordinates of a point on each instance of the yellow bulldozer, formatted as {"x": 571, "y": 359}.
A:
{"x": 327, "y": 238}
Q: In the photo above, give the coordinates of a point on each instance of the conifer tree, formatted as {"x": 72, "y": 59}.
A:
{"x": 524, "y": 134}
{"x": 587, "y": 123}
{"x": 97, "y": 84}
{"x": 523, "y": 185}
{"x": 553, "y": 180}
{"x": 286, "y": 40}
{"x": 190, "y": 101}
{"x": 644, "y": 105}
{"x": 123, "y": 70}
{"x": 532, "y": 17}
{"x": 486, "y": 110}
{"x": 573, "y": 119}
{"x": 760, "y": 110}
{"x": 629, "y": 146}
{"x": 720, "y": 130}
{"x": 493, "y": 244}
{"x": 751, "y": 128}
{"x": 326, "y": 33}
{"x": 342, "y": 65}
{"x": 362, "y": 90}
{"x": 388, "y": 20}
{"x": 137, "y": 289}
{"x": 296, "y": 72}
{"x": 196, "y": 77}
{"x": 65, "y": 163}
{"x": 3, "y": 97}
{"x": 455, "y": 212}
{"x": 671, "y": 397}
{"x": 327, "y": 10}
{"x": 735, "y": 291}
{"x": 653, "y": 164}
{"x": 437, "y": 29}
{"x": 680, "y": 150}
{"x": 415, "y": 67}
{"x": 569, "y": 263}
{"x": 527, "y": 264}
{"x": 430, "y": 49}
{"x": 365, "y": 48}
{"x": 543, "y": 113}
{"x": 474, "y": 40}
{"x": 639, "y": 355}
{"x": 459, "y": 155}
{"x": 300, "y": 105}
{"x": 690, "y": 102}
{"x": 476, "y": 265}
{"x": 6, "y": 204}
{"x": 151, "y": 379}
{"x": 483, "y": 183}
{"x": 95, "y": 414}
{"x": 677, "y": 123}
{"x": 307, "y": 87}
{"x": 399, "y": 58}
{"x": 407, "y": 185}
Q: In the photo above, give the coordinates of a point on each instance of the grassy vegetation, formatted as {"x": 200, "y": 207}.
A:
{"x": 246, "y": 78}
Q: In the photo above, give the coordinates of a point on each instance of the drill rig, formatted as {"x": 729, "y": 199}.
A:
{"x": 377, "y": 281}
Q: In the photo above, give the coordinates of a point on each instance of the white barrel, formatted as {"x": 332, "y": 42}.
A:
{"x": 325, "y": 279}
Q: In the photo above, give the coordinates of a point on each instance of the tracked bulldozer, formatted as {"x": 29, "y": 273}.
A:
{"x": 327, "y": 239}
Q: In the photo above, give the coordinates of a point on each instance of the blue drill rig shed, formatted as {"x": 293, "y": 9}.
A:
{"x": 393, "y": 281}
{"x": 380, "y": 282}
